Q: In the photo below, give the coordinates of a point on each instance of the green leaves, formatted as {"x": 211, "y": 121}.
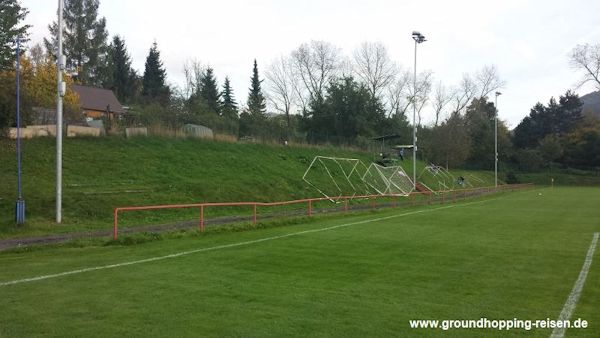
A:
{"x": 11, "y": 16}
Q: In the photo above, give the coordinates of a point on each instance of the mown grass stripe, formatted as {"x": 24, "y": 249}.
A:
{"x": 226, "y": 246}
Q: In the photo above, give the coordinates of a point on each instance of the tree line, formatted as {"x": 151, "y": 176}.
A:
{"x": 315, "y": 93}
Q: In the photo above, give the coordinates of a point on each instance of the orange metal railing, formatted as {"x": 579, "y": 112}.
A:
{"x": 439, "y": 196}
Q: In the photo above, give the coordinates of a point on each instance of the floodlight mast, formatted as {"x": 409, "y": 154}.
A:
{"x": 60, "y": 65}
{"x": 496, "y": 140}
{"x": 419, "y": 38}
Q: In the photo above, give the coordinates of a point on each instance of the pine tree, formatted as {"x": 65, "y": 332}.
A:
{"x": 229, "y": 106}
{"x": 11, "y": 15}
{"x": 85, "y": 38}
{"x": 209, "y": 92}
{"x": 256, "y": 99}
{"x": 120, "y": 76}
{"x": 154, "y": 86}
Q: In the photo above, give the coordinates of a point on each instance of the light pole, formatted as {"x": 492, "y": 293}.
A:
{"x": 419, "y": 38}
{"x": 61, "y": 88}
{"x": 496, "y": 140}
{"x": 20, "y": 205}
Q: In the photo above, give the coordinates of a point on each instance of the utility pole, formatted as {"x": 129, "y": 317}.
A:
{"x": 61, "y": 88}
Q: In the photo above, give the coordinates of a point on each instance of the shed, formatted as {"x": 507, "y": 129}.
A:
{"x": 97, "y": 102}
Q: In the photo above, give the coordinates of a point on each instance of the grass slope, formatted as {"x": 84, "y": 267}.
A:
{"x": 513, "y": 256}
{"x": 100, "y": 174}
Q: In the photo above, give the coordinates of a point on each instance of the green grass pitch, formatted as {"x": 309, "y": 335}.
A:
{"x": 514, "y": 255}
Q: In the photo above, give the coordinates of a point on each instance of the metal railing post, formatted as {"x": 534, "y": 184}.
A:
{"x": 201, "y": 218}
{"x": 115, "y": 224}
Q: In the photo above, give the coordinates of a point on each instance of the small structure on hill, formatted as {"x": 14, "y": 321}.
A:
{"x": 98, "y": 103}
{"x": 195, "y": 130}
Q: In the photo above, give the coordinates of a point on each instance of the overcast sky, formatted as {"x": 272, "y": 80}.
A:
{"x": 528, "y": 41}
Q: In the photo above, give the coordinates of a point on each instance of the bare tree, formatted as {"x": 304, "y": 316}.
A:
{"x": 315, "y": 65}
{"x": 420, "y": 97}
{"x": 586, "y": 59}
{"x": 441, "y": 98}
{"x": 193, "y": 71}
{"x": 464, "y": 93}
{"x": 481, "y": 84}
{"x": 398, "y": 94}
{"x": 38, "y": 56}
{"x": 373, "y": 66}
{"x": 488, "y": 80}
{"x": 280, "y": 87}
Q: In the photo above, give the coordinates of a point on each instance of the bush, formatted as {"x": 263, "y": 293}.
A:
{"x": 529, "y": 160}
{"x": 511, "y": 178}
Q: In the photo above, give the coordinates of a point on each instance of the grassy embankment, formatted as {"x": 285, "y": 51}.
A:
{"x": 100, "y": 174}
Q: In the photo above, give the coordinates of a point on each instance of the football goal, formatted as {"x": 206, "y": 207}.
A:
{"x": 391, "y": 180}
{"x": 334, "y": 177}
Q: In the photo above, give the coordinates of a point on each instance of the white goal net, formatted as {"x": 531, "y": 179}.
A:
{"x": 388, "y": 180}
{"x": 437, "y": 178}
{"x": 336, "y": 177}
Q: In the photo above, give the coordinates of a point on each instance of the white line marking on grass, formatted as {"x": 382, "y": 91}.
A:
{"x": 571, "y": 302}
{"x": 232, "y": 245}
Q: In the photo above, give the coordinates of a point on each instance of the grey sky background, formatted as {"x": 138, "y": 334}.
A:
{"x": 528, "y": 41}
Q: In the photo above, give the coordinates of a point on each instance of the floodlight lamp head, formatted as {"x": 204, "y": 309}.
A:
{"x": 418, "y": 37}
{"x": 498, "y": 93}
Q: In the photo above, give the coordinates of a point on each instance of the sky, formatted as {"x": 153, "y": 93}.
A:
{"x": 528, "y": 41}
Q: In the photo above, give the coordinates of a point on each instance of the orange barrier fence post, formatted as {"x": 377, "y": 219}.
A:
{"x": 115, "y": 225}
{"x": 346, "y": 205}
{"x": 254, "y": 215}
{"x": 309, "y": 207}
{"x": 201, "y": 218}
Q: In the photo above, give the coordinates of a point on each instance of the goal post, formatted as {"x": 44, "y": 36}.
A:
{"x": 335, "y": 177}
{"x": 388, "y": 180}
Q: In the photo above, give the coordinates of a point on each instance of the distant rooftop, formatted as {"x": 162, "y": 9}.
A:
{"x": 98, "y": 99}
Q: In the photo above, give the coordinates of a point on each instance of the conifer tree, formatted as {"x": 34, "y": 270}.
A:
{"x": 154, "y": 86}
{"x": 209, "y": 92}
{"x": 120, "y": 77}
{"x": 11, "y": 15}
{"x": 229, "y": 107}
{"x": 256, "y": 99}
{"x": 85, "y": 38}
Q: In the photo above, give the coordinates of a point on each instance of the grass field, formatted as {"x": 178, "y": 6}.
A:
{"x": 514, "y": 255}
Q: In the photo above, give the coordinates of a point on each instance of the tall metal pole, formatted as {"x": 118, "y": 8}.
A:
{"x": 20, "y": 205}
{"x": 419, "y": 38}
{"x": 496, "y": 140}
{"x": 415, "y": 121}
{"x": 19, "y": 191}
{"x": 59, "y": 113}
